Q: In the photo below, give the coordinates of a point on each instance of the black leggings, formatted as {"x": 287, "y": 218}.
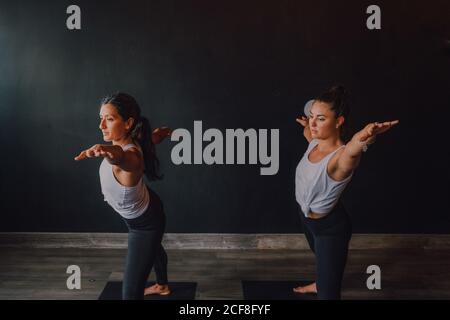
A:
{"x": 328, "y": 238}
{"x": 145, "y": 250}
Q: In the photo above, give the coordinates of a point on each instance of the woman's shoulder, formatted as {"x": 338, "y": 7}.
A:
{"x": 132, "y": 145}
{"x": 312, "y": 144}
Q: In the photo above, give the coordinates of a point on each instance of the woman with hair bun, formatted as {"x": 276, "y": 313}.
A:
{"x": 125, "y": 162}
{"x": 321, "y": 176}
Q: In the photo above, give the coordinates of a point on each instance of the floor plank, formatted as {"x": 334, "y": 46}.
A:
{"x": 40, "y": 273}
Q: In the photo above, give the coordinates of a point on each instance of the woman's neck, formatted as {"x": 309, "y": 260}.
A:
{"x": 123, "y": 142}
{"x": 329, "y": 144}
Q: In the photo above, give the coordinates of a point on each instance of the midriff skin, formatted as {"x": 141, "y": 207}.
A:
{"x": 314, "y": 215}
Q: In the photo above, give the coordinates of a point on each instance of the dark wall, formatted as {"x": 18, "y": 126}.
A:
{"x": 231, "y": 64}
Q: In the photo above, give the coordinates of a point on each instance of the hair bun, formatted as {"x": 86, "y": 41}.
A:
{"x": 339, "y": 90}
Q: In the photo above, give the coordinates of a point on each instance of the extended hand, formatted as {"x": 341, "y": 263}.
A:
{"x": 159, "y": 134}
{"x": 97, "y": 150}
{"x": 372, "y": 129}
{"x": 303, "y": 121}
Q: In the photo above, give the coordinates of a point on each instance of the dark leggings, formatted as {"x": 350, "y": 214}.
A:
{"x": 145, "y": 250}
{"x": 328, "y": 238}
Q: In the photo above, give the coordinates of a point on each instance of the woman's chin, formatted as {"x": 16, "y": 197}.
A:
{"x": 106, "y": 139}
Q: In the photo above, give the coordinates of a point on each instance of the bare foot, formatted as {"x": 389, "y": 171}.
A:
{"x": 310, "y": 288}
{"x": 162, "y": 290}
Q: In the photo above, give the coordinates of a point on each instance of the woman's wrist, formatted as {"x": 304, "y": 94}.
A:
{"x": 356, "y": 145}
{"x": 365, "y": 144}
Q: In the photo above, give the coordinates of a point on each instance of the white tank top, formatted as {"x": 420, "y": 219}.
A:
{"x": 129, "y": 202}
{"x": 315, "y": 190}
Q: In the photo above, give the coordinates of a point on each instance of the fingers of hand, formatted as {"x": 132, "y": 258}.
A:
{"x": 302, "y": 121}
{"x": 166, "y": 131}
{"x": 89, "y": 153}
{"x": 100, "y": 153}
{"x": 81, "y": 156}
{"x": 94, "y": 151}
{"x": 383, "y": 127}
{"x": 163, "y": 131}
{"x": 388, "y": 123}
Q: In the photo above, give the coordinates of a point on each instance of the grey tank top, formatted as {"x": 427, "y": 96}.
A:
{"x": 129, "y": 202}
{"x": 315, "y": 190}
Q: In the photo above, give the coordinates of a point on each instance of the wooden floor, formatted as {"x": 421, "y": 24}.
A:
{"x": 35, "y": 273}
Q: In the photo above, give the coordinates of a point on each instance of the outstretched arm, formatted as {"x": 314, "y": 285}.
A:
{"x": 159, "y": 134}
{"x": 306, "y": 131}
{"x": 349, "y": 158}
{"x": 130, "y": 160}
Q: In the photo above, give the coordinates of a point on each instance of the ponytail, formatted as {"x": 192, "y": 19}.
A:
{"x": 142, "y": 133}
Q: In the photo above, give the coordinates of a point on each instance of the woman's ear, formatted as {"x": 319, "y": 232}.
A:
{"x": 129, "y": 123}
{"x": 340, "y": 121}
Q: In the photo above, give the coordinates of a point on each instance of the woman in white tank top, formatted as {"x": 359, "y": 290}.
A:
{"x": 129, "y": 157}
{"x": 321, "y": 176}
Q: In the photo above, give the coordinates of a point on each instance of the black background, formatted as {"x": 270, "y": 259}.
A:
{"x": 231, "y": 64}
